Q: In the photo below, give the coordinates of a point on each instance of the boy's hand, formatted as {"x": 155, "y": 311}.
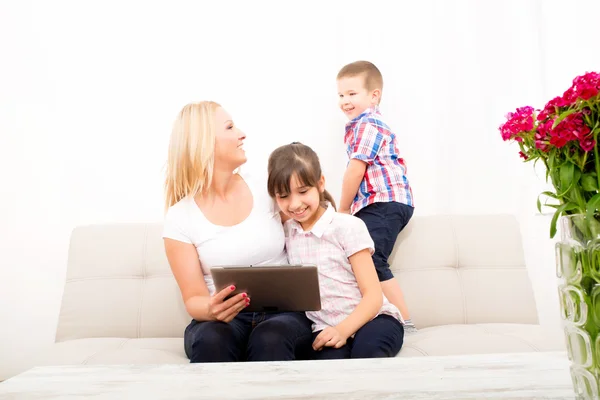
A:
{"x": 345, "y": 211}
{"x": 353, "y": 176}
{"x": 329, "y": 337}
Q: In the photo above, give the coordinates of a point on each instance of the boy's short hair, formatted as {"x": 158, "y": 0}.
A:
{"x": 372, "y": 75}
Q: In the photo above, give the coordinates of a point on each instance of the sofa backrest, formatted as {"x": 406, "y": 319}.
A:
{"x": 119, "y": 284}
{"x": 464, "y": 269}
{"x": 459, "y": 269}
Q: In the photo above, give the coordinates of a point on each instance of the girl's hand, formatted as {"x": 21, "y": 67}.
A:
{"x": 329, "y": 337}
{"x": 220, "y": 310}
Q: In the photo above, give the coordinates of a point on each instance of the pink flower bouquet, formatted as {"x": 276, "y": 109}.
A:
{"x": 564, "y": 136}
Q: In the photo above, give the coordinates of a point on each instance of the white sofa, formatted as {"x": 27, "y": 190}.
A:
{"x": 464, "y": 279}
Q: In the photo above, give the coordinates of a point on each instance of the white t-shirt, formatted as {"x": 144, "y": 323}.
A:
{"x": 259, "y": 239}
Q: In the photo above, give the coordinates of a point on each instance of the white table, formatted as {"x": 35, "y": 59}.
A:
{"x": 497, "y": 376}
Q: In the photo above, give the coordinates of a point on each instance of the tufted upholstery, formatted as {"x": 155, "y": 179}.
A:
{"x": 464, "y": 280}
{"x": 464, "y": 270}
{"x": 119, "y": 284}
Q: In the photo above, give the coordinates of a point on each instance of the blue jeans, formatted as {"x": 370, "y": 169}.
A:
{"x": 383, "y": 336}
{"x": 384, "y": 222}
{"x": 250, "y": 337}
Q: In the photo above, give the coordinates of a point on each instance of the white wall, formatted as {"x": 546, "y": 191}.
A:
{"x": 88, "y": 92}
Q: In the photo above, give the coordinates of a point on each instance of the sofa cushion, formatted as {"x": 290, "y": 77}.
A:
{"x": 119, "y": 284}
{"x": 482, "y": 339}
{"x": 464, "y": 269}
{"x": 460, "y": 269}
{"x": 434, "y": 341}
{"x": 115, "y": 351}
{"x": 102, "y": 351}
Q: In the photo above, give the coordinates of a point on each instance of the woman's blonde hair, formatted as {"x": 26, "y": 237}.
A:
{"x": 191, "y": 152}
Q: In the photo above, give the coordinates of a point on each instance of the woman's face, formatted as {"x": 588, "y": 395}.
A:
{"x": 229, "y": 142}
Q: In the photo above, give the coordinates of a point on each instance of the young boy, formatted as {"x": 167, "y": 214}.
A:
{"x": 375, "y": 187}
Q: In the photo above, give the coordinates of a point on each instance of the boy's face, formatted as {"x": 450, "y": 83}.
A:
{"x": 354, "y": 98}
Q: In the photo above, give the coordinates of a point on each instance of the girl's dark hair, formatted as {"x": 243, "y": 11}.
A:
{"x": 295, "y": 159}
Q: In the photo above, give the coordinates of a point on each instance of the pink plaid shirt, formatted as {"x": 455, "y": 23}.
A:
{"x": 333, "y": 238}
{"x": 369, "y": 139}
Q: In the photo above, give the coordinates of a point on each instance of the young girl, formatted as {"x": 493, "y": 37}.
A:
{"x": 355, "y": 320}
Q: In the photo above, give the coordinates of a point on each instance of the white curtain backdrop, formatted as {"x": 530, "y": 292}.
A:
{"x": 88, "y": 92}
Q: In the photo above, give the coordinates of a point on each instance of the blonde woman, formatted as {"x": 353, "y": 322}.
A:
{"x": 218, "y": 216}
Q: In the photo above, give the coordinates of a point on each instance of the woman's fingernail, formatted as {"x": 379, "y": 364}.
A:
{"x": 244, "y": 295}
{"x": 232, "y": 287}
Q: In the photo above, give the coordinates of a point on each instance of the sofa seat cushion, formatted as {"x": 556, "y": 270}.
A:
{"x": 448, "y": 340}
{"x": 101, "y": 351}
{"x": 115, "y": 351}
{"x": 434, "y": 341}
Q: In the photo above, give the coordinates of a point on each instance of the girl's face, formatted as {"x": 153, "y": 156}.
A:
{"x": 303, "y": 202}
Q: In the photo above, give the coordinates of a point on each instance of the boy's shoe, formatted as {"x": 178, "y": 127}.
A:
{"x": 409, "y": 327}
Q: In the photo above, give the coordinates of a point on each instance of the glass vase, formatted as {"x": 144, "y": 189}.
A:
{"x": 578, "y": 268}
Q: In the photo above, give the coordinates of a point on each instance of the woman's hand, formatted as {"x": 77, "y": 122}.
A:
{"x": 220, "y": 309}
{"x": 329, "y": 337}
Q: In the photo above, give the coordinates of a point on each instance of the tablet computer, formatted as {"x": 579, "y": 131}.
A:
{"x": 272, "y": 287}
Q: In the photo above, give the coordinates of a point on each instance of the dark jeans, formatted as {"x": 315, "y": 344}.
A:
{"x": 250, "y": 337}
{"x": 383, "y": 336}
{"x": 384, "y": 222}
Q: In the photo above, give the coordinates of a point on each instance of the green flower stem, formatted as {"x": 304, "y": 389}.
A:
{"x": 596, "y": 159}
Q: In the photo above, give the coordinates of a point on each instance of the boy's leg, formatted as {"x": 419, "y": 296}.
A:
{"x": 384, "y": 222}
{"x": 391, "y": 289}
{"x": 383, "y": 336}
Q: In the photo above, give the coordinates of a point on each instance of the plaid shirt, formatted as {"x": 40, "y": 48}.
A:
{"x": 369, "y": 139}
{"x": 329, "y": 243}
